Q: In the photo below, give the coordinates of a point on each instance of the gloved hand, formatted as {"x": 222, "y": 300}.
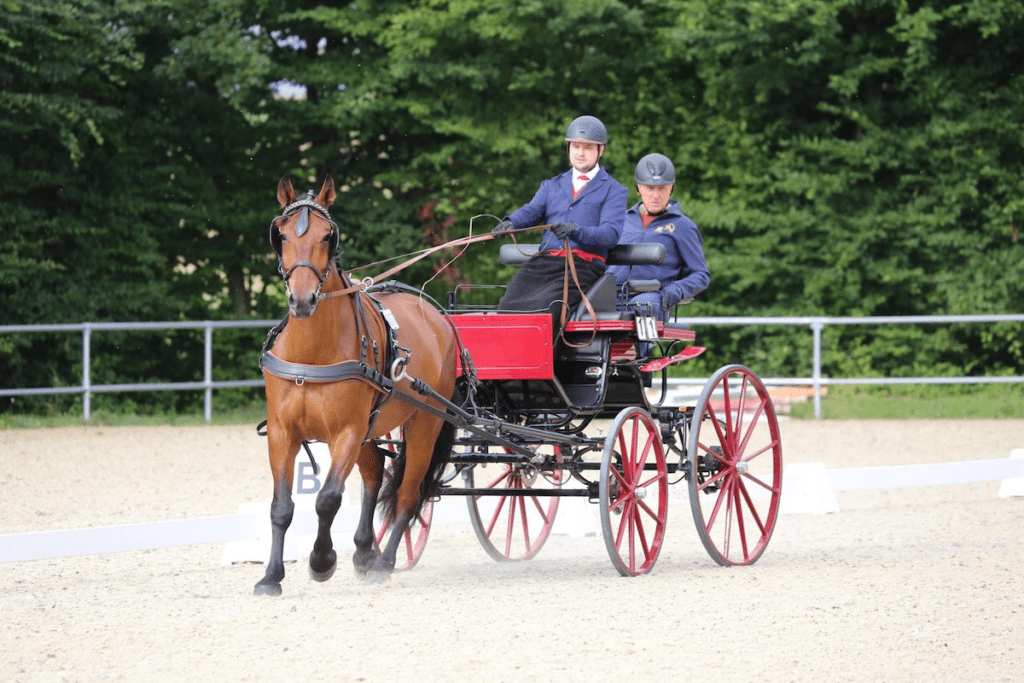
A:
{"x": 503, "y": 228}
{"x": 563, "y": 230}
{"x": 670, "y": 296}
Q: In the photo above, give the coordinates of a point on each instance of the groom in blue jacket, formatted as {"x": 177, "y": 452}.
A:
{"x": 584, "y": 208}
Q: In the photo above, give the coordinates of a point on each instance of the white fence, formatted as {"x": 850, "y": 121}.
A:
{"x": 817, "y": 326}
{"x": 207, "y": 385}
{"x": 87, "y": 388}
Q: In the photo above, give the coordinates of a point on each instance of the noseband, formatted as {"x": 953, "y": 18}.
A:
{"x": 304, "y": 205}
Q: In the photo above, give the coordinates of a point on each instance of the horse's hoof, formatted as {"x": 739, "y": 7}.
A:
{"x": 363, "y": 563}
{"x": 322, "y": 575}
{"x": 271, "y": 589}
{"x": 376, "y": 576}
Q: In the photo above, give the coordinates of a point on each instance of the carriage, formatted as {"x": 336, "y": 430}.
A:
{"x": 463, "y": 400}
{"x": 540, "y": 420}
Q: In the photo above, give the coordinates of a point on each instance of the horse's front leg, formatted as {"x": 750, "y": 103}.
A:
{"x": 281, "y": 510}
{"x": 371, "y": 469}
{"x": 323, "y": 559}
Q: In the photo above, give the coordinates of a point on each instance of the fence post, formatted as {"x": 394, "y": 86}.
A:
{"x": 86, "y": 394}
{"x": 208, "y": 372}
{"x": 816, "y": 327}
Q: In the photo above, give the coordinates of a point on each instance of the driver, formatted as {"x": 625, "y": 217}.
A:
{"x": 583, "y": 205}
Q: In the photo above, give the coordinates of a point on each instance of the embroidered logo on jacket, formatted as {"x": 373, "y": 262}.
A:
{"x": 671, "y": 227}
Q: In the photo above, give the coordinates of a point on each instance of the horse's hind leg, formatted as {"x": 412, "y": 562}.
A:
{"x": 421, "y": 432}
{"x": 371, "y": 469}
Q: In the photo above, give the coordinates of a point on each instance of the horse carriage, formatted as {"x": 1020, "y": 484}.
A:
{"x": 463, "y": 400}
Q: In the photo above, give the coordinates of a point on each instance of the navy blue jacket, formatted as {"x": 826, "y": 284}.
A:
{"x": 598, "y": 211}
{"x": 684, "y": 268}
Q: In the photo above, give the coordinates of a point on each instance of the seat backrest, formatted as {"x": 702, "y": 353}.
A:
{"x": 602, "y": 296}
{"x": 620, "y": 255}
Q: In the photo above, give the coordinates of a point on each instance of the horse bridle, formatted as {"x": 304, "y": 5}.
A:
{"x": 305, "y": 204}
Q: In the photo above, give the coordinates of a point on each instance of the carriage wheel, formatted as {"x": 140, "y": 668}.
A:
{"x": 414, "y": 540}
{"x": 513, "y": 527}
{"x": 633, "y": 492}
{"x": 735, "y": 477}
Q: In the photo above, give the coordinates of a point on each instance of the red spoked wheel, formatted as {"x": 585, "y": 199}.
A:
{"x": 414, "y": 540}
{"x": 515, "y": 526}
{"x": 735, "y": 459}
{"x": 633, "y": 492}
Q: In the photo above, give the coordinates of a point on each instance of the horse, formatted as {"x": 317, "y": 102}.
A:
{"x": 329, "y": 378}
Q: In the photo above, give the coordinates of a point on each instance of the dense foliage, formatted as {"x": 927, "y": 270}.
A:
{"x": 842, "y": 158}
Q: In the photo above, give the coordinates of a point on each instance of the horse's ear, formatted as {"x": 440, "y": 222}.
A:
{"x": 327, "y": 194}
{"x": 285, "y": 191}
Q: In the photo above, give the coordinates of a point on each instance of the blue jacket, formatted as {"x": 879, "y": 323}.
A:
{"x": 684, "y": 269}
{"x": 598, "y": 211}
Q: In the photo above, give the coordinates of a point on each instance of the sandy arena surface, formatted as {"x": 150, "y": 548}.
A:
{"x": 904, "y": 584}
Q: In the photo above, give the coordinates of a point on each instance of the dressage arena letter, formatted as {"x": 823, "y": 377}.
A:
{"x": 306, "y": 481}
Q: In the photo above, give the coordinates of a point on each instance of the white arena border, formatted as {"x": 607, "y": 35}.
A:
{"x": 809, "y": 488}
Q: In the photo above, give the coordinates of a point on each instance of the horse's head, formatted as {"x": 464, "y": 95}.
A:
{"x": 306, "y": 242}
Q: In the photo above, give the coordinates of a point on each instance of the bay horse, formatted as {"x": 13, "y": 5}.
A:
{"x": 329, "y": 378}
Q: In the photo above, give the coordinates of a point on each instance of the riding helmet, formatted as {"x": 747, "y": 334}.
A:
{"x": 655, "y": 169}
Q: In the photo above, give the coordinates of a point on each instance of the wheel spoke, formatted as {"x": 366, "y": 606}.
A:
{"x": 710, "y": 450}
{"x": 497, "y": 513}
{"x": 718, "y": 504}
{"x": 712, "y": 415}
{"x": 750, "y": 506}
{"x": 740, "y": 412}
{"x": 712, "y": 480}
{"x": 770, "y": 446}
{"x": 525, "y": 524}
{"x": 758, "y": 481}
{"x": 740, "y": 524}
{"x": 753, "y": 423}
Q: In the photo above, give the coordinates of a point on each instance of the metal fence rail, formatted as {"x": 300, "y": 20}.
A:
{"x": 817, "y": 325}
{"x": 87, "y": 388}
{"x": 816, "y": 380}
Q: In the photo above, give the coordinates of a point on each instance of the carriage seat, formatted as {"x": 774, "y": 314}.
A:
{"x": 603, "y": 294}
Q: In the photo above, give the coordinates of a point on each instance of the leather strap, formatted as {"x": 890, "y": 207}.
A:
{"x": 301, "y": 373}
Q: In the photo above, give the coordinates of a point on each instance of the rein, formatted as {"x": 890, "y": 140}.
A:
{"x": 367, "y": 282}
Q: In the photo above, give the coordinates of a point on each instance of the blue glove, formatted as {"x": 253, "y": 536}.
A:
{"x": 563, "y": 230}
{"x": 670, "y": 296}
{"x": 503, "y": 228}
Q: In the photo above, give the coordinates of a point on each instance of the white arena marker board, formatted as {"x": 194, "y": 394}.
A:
{"x": 113, "y": 539}
{"x": 897, "y": 476}
{"x": 807, "y": 489}
{"x": 1014, "y": 486}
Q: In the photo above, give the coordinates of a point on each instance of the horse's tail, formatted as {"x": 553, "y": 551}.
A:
{"x": 438, "y": 461}
{"x": 387, "y": 501}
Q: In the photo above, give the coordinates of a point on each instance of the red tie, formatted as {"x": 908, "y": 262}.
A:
{"x": 576, "y": 192}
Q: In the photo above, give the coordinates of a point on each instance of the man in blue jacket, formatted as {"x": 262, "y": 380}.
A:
{"x": 585, "y": 208}
{"x": 657, "y": 218}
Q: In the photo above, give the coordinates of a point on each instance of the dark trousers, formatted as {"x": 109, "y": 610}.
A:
{"x": 537, "y": 286}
